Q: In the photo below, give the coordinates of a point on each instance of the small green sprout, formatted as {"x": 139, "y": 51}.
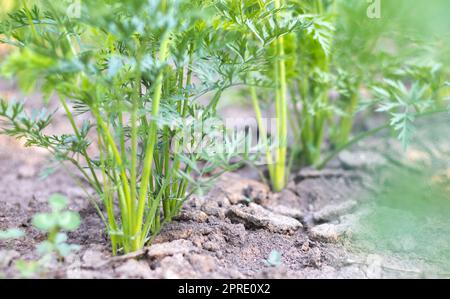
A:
{"x": 58, "y": 219}
{"x": 274, "y": 259}
{"x": 28, "y": 269}
{"x": 53, "y": 223}
{"x": 12, "y": 233}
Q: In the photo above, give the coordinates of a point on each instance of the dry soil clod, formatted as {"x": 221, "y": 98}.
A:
{"x": 255, "y": 216}
{"x": 328, "y": 232}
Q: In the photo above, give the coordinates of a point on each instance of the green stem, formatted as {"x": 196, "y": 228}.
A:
{"x": 134, "y": 139}
{"x": 108, "y": 197}
{"x": 296, "y": 127}
{"x": 121, "y": 132}
{"x": 346, "y": 124}
{"x": 127, "y": 234}
{"x": 262, "y": 129}
{"x": 151, "y": 141}
{"x": 279, "y": 181}
{"x": 69, "y": 114}
{"x": 165, "y": 175}
{"x": 30, "y": 18}
{"x": 111, "y": 143}
{"x": 188, "y": 79}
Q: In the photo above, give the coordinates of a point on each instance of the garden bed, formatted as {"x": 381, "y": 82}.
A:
{"x": 229, "y": 139}
{"x": 240, "y": 229}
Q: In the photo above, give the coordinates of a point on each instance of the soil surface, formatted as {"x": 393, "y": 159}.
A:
{"x": 229, "y": 233}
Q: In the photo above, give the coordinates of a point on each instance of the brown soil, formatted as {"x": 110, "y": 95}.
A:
{"x": 219, "y": 247}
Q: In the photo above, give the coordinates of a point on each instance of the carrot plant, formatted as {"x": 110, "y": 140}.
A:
{"x": 262, "y": 28}
{"x": 311, "y": 77}
{"x": 332, "y": 60}
{"x": 322, "y": 55}
{"x": 395, "y": 60}
{"x": 360, "y": 54}
{"x": 123, "y": 72}
{"x": 343, "y": 53}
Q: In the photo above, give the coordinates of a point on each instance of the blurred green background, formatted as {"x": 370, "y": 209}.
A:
{"x": 408, "y": 211}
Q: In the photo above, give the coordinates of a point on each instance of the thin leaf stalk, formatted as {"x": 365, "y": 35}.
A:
{"x": 279, "y": 179}
{"x": 151, "y": 141}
